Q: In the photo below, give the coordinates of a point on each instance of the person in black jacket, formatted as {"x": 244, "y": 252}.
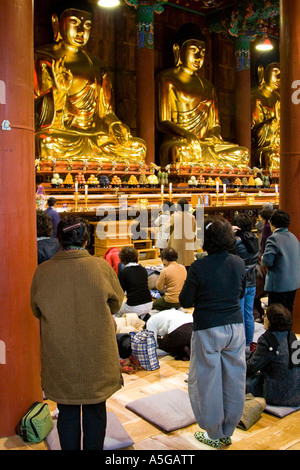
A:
{"x": 217, "y": 374}
{"x": 134, "y": 281}
{"x": 247, "y": 248}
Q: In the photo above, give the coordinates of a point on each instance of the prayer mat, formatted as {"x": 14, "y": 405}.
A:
{"x": 280, "y": 411}
{"x": 168, "y": 411}
{"x": 116, "y": 436}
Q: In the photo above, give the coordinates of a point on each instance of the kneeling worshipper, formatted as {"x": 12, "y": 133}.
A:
{"x": 172, "y": 331}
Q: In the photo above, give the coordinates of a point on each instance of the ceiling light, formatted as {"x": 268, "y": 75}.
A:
{"x": 264, "y": 44}
{"x": 108, "y": 3}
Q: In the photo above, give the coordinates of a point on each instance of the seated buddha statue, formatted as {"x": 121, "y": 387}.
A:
{"x": 187, "y": 111}
{"x": 74, "y": 116}
{"x": 265, "y": 109}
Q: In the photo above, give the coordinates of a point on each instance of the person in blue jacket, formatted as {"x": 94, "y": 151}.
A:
{"x": 247, "y": 248}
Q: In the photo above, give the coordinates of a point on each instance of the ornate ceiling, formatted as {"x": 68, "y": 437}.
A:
{"x": 203, "y": 7}
{"x": 233, "y": 17}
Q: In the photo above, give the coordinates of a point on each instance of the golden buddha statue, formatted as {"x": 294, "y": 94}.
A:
{"x": 73, "y": 96}
{"x": 187, "y": 111}
{"x": 265, "y": 128}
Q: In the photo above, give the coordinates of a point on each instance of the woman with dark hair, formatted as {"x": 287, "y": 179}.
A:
{"x": 74, "y": 296}
{"x": 214, "y": 286}
{"x": 264, "y": 216}
{"x": 46, "y": 245}
{"x": 273, "y": 370}
{"x": 282, "y": 260}
{"x": 53, "y": 214}
{"x": 134, "y": 281}
{"x": 171, "y": 280}
{"x": 247, "y": 248}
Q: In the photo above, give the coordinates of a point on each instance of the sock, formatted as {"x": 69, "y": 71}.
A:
{"x": 207, "y": 437}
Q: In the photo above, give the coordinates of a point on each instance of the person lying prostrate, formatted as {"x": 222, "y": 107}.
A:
{"x": 172, "y": 331}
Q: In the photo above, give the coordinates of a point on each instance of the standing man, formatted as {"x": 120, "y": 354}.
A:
{"x": 282, "y": 260}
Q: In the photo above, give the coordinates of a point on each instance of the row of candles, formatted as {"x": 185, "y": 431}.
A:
{"x": 162, "y": 188}
{"x": 85, "y": 188}
{"x": 170, "y": 188}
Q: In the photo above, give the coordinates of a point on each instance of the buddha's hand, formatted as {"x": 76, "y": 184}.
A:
{"x": 214, "y": 136}
{"x": 63, "y": 77}
{"x": 193, "y": 140}
{"x": 120, "y": 132}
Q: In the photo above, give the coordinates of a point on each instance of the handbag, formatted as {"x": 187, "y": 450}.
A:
{"x": 143, "y": 348}
{"x": 260, "y": 274}
{"x": 124, "y": 345}
{"x": 36, "y": 424}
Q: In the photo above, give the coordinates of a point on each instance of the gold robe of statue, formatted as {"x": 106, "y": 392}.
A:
{"x": 187, "y": 111}
{"x": 265, "y": 129}
{"x": 73, "y": 97}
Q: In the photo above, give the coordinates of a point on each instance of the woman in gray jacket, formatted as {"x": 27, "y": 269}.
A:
{"x": 282, "y": 260}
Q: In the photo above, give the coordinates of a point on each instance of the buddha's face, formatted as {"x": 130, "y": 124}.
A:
{"x": 75, "y": 27}
{"x": 273, "y": 78}
{"x": 192, "y": 54}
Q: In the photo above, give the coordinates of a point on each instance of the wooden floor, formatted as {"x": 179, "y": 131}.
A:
{"x": 269, "y": 433}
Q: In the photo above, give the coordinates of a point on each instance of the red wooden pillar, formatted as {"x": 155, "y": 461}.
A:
{"x": 290, "y": 122}
{"x": 145, "y": 83}
{"x": 145, "y": 100}
{"x": 19, "y": 330}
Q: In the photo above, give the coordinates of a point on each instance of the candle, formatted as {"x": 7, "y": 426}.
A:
{"x": 86, "y": 189}
{"x": 76, "y": 187}
{"x": 217, "y": 186}
{"x": 170, "y": 187}
{"x": 276, "y": 188}
{"x": 224, "y": 188}
{"x": 162, "y": 189}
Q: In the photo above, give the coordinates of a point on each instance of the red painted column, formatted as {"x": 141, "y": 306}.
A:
{"x": 145, "y": 87}
{"x": 243, "y": 109}
{"x": 290, "y": 122}
{"x": 145, "y": 112}
{"x": 19, "y": 329}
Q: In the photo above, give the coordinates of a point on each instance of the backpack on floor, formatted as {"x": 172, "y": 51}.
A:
{"x": 36, "y": 423}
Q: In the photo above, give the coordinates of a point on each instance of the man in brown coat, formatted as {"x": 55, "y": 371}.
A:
{"x": 74, "y": 296}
